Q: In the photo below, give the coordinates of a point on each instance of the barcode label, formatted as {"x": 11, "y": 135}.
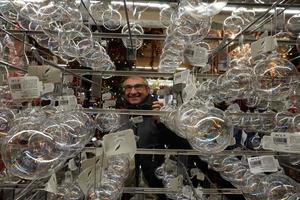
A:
{"x": 278, "y": 140}
{"x": 255, "y": 163}
{"x": 68, "y": 102}
{"x": 282, "y": 142}
{"x": 262, "y": 164}
{"x": 15, "y": 86}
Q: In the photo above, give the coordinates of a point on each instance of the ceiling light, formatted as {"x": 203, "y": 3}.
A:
{"x": 155, "y": 68}
{"x": 287, "y": 11}
{"x": 143, "y": 4}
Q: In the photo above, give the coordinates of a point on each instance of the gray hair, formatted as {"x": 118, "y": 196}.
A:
{"x": 133, "y": 77}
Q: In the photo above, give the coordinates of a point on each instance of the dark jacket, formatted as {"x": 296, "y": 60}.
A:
{"x": 153, "y": 135}
{"x": 150, "y": 132}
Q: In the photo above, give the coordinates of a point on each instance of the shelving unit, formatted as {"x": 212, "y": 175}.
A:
{"x": 264, "y": 17}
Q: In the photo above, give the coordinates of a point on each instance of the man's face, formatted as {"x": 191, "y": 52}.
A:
{"x": 136, "y": 91}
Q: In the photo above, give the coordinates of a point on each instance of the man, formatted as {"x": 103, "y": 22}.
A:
{"x": 150, "y": 132}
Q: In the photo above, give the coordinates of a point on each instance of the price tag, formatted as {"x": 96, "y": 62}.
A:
{"x": 280, "y": 138}
{"x": 263, "y": 45}
{"x": 106, "y": 96}
{"x": 122, "y": 142}
{"x": 197, "y": 55}
{"x": 15, "y": 87}
{"x": 30, "y": 87}
{"x": 282, "y": 142}
{"x": 46, "y": 73}
{"x": 68, "y": 102}
{"x": 27, "y": 87}
{"x": 267, "y": 142}
{"x": 51, "y": 185}
{"x": 181, "y": 77}
{"x": 262, "y": 164}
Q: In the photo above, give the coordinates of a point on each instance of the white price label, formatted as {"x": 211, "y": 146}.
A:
{"x": 196, "y": 55}
{"x": 122, "y": 142}
{"x": 262, "y": 164}
{"x": 263, "y": 45}
{"x": 106, "y": 96}
{"x": 69, "y": 102}
{"x": 30, "y": 87}
{"x": 181, "y": 77}
{"x": 27, "y": 87}
{"x": 15, "y": 87}
{"x": 282, "y": 142}
{"x": 280, "y": 138}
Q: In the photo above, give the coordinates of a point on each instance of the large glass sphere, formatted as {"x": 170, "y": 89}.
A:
{"x": 276, "y": 186}
{"x": 111, "y": 19}
{"x": 30, "y": 154}
{"x": 97, "y": 9}
{"x": 293, "y": 24}
{"x": 233, "y": 26}
{"x": 239, "y": 81}
{"x": 205, "y": 128}
{"x": 76, "y": 39}
{"x": 274, "y": 78}
{"x": 106, "y": 122}
{"x": 6, "y": 118}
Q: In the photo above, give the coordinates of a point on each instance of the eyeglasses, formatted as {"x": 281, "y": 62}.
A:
{"x": 137, "y": 87}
